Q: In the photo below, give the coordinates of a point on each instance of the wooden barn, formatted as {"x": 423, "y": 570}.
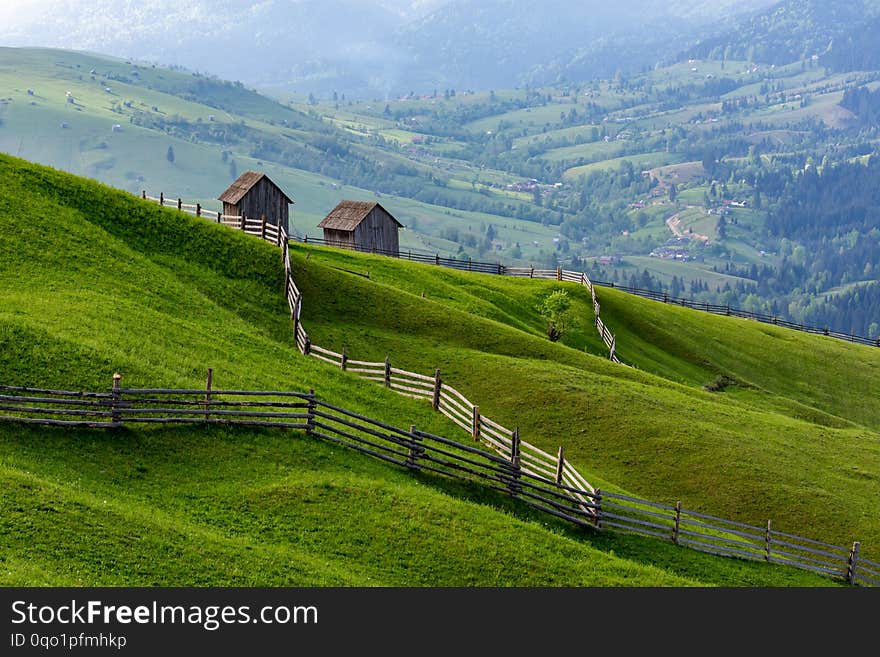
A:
{"x": 362, "y": 225}
{"x": 253, "y": 195}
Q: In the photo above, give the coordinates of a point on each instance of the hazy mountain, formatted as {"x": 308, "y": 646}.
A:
{"x": 842, "y": 34}
{"x": 379, "y": 48}
{"x": 512, "y": 42}
{"x": 237, "y": 39}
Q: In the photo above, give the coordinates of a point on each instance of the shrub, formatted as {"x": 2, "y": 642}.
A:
{"x": 556, "y": 308}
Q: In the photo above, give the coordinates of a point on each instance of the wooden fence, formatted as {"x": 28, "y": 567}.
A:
{"x": 260, "y": 227}
{"x": 276, "y": 235}
{"x": 504, "y": 270}
{"x": 727, "y": 310}
{"x": 539, "y": 465}
{"x": 497, "y": 268}
{"x": 561, "y": 493}
{"x": 415, "y": 255}
{"x": 444, "y": 398}
{"x": 271, "y": 233}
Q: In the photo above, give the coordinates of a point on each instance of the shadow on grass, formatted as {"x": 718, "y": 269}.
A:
{"x": 118, "y": 457}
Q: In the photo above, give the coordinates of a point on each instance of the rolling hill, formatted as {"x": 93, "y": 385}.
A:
{"x": 537, "y": 176}
{"x": 159, "y": 296}
{"x": 658, "y": 426}
{"x": 114, "y": 120}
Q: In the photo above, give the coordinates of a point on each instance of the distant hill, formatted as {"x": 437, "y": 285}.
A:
{"x": 841, "y": 35}
{"x": 376, "y": 49}
{"x": 497, "y": 43}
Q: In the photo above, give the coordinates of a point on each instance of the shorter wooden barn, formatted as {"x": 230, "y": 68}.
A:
{"x": 363, "y": 226}
{"x": 254, "y": 195}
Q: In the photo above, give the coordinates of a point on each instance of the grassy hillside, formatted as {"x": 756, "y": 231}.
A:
{"x": 96, "y": 282}
{"x": 742, "y": 419}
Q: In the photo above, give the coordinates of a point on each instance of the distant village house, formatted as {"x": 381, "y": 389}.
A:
{"x": 363, "y": 226}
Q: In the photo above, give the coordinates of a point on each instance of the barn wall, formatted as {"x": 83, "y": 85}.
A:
{"x": 377, "y": 231}
{"x": 340, "y": 238}
{"x": 265, "y": 198}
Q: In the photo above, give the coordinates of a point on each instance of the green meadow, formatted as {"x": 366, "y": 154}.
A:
{"x": 95, "y": 281}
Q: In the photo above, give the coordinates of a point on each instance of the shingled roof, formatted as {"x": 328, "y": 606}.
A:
{"x": 348, "y": 214}
{"x": 243, "y": 184}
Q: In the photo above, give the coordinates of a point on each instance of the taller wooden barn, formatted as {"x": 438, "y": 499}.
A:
{"x": 363, "y": 226}
{"x": 254, "y": 195}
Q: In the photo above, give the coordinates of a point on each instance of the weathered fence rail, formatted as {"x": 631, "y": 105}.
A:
{"x": 520, "y": 471}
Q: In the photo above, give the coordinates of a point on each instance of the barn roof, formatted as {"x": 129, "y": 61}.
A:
{"x": 348, "y": 214}
{"x": 243, "y": 184}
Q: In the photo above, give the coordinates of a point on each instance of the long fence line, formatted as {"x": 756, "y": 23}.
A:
{"x": 444, "y": 398}
{"x": 560, "y": 496}
{"x": 534, "y": 462}
{"x": 275, "y": 234}
{"x": 717, "y": 309}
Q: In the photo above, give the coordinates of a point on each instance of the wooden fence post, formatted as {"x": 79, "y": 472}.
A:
{"x": 161, "y": 198}
{"x": 278, "y": 238}
{"x": 767, "y": 540}
{"x": 560, "y": 462}
{"x": 263, "y": 226}
{"x": 437, "y": 259}
{"x": 435, "y": 399}
{"x": 676, "y": 522}
{"x": 516, "y": 472}
{"x": 531, "y": 272}
{"x": 180, "y": 203}
{"x": 476, "y": 423}
{"x": 469, "y": 263}
{"x": 344, "y": 360}
{"x": 559, "y": 273}
{"x": 387, "y": 371}
{"x": 852, "y": 562}
{"x": 415, "y": 450}
{"x": 198, "y": 209}
{"x": 613, "y": 347}
{"x": 208, "y": 394}
{"x": 219, "y": 216}
{"x": 308, "y": 348}
{"x": 144, "y": 194}
{"x": 243, "y": 222}
{"x": 597, "y": 498}
{"x": 310, "y": 421}
{"x": 115, "y": 401}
